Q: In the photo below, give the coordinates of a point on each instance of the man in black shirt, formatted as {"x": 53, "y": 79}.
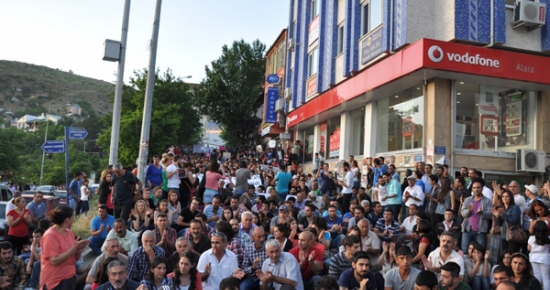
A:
{"x": 186, "y": 215}
{"x": 124, "y": 184}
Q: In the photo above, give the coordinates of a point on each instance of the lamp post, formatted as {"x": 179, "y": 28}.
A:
{"x": 115, "y": 128}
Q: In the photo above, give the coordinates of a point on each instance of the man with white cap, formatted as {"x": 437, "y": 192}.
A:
{"x": 413, "y": 194}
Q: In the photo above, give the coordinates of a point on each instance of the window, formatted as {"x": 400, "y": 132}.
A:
{"x": 312, "y": 61}
{"x": 371, "y": 15}
{"x": 331, "y": 132}
{"x": 357, "y": 131}
{"x": 489, "y": 115}
{"x": 401, "y": 121}
{"x": 315, "y": 8}
{"x": 340, "y": 48}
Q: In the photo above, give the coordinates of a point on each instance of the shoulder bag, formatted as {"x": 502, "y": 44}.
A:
{"x": 515, "y": 234}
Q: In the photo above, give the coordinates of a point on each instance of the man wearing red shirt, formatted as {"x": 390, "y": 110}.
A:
{"x": 310, "y": 259}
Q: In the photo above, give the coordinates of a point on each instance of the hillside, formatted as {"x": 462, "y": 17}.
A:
{"x": 32, "y": 89}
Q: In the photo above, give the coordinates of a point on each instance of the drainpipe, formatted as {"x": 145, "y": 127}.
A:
{"x": 391, "y": 28}
{"x": 492, "y": 36}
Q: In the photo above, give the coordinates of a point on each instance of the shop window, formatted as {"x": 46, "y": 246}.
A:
{"x": 329, "y": 138}
{"x": 357, "y": 137}
{"x": 401, "y": 121}
{"x": 307, "y": 148}
{"x": 371, "y": 15}
{"x": 490, "y": 118}
{"x": 312, "y": 63}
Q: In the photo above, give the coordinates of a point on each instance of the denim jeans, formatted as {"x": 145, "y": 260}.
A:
{"x": 282, "y": 195}
{"x": 479, "y": 282}
{"x": 35, "y": 275}
{"x": 238, "y": 192}
{"x": 250, "y": 283}
{"x": 96, "y": 244}
{"x": 336, "y": 242}
{"x": 183, "y": 232}
{"x": 467, "y": 237}
{"x": 395, "y": 208}
{"x": 85, "y": 206}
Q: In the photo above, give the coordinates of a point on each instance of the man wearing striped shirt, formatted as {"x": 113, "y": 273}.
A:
{"x": 342, "y": 261}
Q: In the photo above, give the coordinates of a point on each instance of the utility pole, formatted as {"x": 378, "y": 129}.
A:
{"x": 148, "y": 104}
{"x": 115, "y": 128}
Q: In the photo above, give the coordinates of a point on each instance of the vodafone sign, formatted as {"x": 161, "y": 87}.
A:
{"x": 436, "y": 54}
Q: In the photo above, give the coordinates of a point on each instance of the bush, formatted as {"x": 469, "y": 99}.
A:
{"x": 81, "y": 224}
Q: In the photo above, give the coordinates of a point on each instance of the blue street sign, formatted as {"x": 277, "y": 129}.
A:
{"x": 273, "y": 79}
{"x": 440, "y": 150}
{"x": 270, "y": 113}
{"x": 77, "y": 133}
{"x": 53, "y": 146}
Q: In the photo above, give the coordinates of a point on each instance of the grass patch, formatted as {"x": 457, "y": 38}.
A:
{"x": 81, "y": 224}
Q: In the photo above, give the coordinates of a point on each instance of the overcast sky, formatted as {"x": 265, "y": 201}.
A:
{"x": 69, "y": 35}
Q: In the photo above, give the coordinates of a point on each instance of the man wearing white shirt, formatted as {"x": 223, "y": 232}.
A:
{"x": 413, "y": 194}
{"x": 443, "y": 255}
{"x": 408, "y": 225}
{"x": 280, "y": 271}
{"x": 127, "y": 239}
{"x": 218, "y": 263}
{"x": 347, "y": 186}
{"x": 173, "y": 176}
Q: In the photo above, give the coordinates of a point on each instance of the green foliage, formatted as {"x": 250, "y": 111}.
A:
{"x": 233, "y": 90}
{"x": 173, "y": 118}
{"x": 34, "y": 110}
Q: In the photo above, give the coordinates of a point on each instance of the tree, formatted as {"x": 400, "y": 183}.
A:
{"x": 174, "y": 120}
{"x": 232, "y": 91}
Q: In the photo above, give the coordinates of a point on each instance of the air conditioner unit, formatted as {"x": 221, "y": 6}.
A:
{"x": 290, "y": 45}
{"x": 530, "y": 160}
{"x": 280, "y": 105}
{"x": 530, "y": 14}
{"x": 288, "y": 94}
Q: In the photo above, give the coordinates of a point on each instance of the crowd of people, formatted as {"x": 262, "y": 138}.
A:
{"x": 252, "y": 221}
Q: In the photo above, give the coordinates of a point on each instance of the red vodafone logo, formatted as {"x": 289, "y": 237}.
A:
{"x": 435, "y": 53}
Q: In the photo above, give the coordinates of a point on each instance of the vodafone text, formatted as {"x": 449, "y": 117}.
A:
{"x": 473, "y": 59}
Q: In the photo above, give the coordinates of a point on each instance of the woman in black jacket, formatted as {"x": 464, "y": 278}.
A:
{"x": 104, "y": 190}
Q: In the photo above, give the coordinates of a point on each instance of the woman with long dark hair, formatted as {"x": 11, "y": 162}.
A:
{"x": 156, "y": 277}
{"x": 539, "y": 211}
{"x": 227, "y": 214}
{"x": 233, "y": 243}
{"x": 507, "y": 220}
{"x": 186, "y": 276}
{"x": 522, "y": 273}
{"x": 60, "y": 251}
{"x": 503, "y": 260}
{"x": 476, "y": 270}
{"x": 211, "y": 184}
{"x": 281, "y": 233}
{"x": 539, "y": 255}
{"x": 104, "y": 191}
{"x": 423, "y": 244}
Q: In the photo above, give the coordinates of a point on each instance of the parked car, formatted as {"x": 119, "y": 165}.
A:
{"x": 51, "y": 202}
{"x": 3, "y": 222}
{"x": 62, "y": 195}
{"x": 47, "y": 189}
{"x": 5, "y": 193}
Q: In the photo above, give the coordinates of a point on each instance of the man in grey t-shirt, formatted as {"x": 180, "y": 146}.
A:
{"x": 394, "y": 277}
{"x": 243, "y": 175}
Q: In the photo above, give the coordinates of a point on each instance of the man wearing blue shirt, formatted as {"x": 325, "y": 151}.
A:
{"x": 322, "y": 177}
{"x": 37, "y": 208}
{"x": 74, "y": 193}
{"x": 100, "y": 227}
{"x": 334, "y": 225}
{"x": 283, "y": 179}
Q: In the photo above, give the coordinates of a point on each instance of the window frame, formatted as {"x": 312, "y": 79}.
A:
{"x": 340, "y": 44}
{"x": 313, "y": 62}
{"x": 366, "y": 16}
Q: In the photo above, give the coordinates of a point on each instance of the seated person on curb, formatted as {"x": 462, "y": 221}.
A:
{"x": 200, "y": 242}
{"x": 33, "y": 266}
{"x": 37, "y": 209}
{"x": 101, "y": 225}
{"x": 165, "y": 236}
{"x": 254, "y": 256}
{"x": 182, "y": 245}
{"x": 450, "y": 278}
{"x": 118, "y": 278}
{"x": 223, "y": 261}
{"x": 426, "y": 280}
{"x": 112, "y": 247}
{"x": 187, "y": 214}
{"x": 335, "y": 227}
{"x": 126, "y": 238}
{"x": 138, "y": 266}
{"x": 404, "y": 276}
{"x": 449, "y": 224}
{"x": 310, "y": 259}
{"x": 280, "y": 271}
{"x": 444, "y": 254}
{"x": 243, "y": 237}
{"x": 213, "y": 211}
{"x": 359, "y": 276}
{"x": 387, "y": 229}
{"x": 342, "y": 261}
{"x": 13, "y": 268}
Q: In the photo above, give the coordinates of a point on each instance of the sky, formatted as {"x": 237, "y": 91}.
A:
{"x": 69, "y": 34}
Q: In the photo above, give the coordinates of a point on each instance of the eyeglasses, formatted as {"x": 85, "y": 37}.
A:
{"x": 216, "y": 234}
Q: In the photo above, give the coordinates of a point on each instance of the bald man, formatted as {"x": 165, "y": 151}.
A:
{"x": 309, "y": 258}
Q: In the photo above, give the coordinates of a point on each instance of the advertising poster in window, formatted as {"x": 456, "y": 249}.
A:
{"x": 488, "y": 100}
{"x": 408, "y": 127}
{"x": 322, "y": 139}
{"x": 335, "y": 144}
{"x": 513, "y": 114}
{"x": 488, "y": 125}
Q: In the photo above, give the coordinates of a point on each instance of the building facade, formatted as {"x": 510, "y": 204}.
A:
{"x": 452, "y": 81}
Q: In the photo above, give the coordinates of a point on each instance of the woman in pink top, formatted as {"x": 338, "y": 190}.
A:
{"x": 211, "y": 184}
{"x": 60, "y": 252}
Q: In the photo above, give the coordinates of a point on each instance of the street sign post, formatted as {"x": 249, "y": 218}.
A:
{"x": 77, "y": 133}
{"x": 53, "y": 146}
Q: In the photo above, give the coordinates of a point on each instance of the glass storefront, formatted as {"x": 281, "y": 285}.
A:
{"x": 490, "y": 118}
{"x": 401, "y": 121}
{"x": 357, "y": 137}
